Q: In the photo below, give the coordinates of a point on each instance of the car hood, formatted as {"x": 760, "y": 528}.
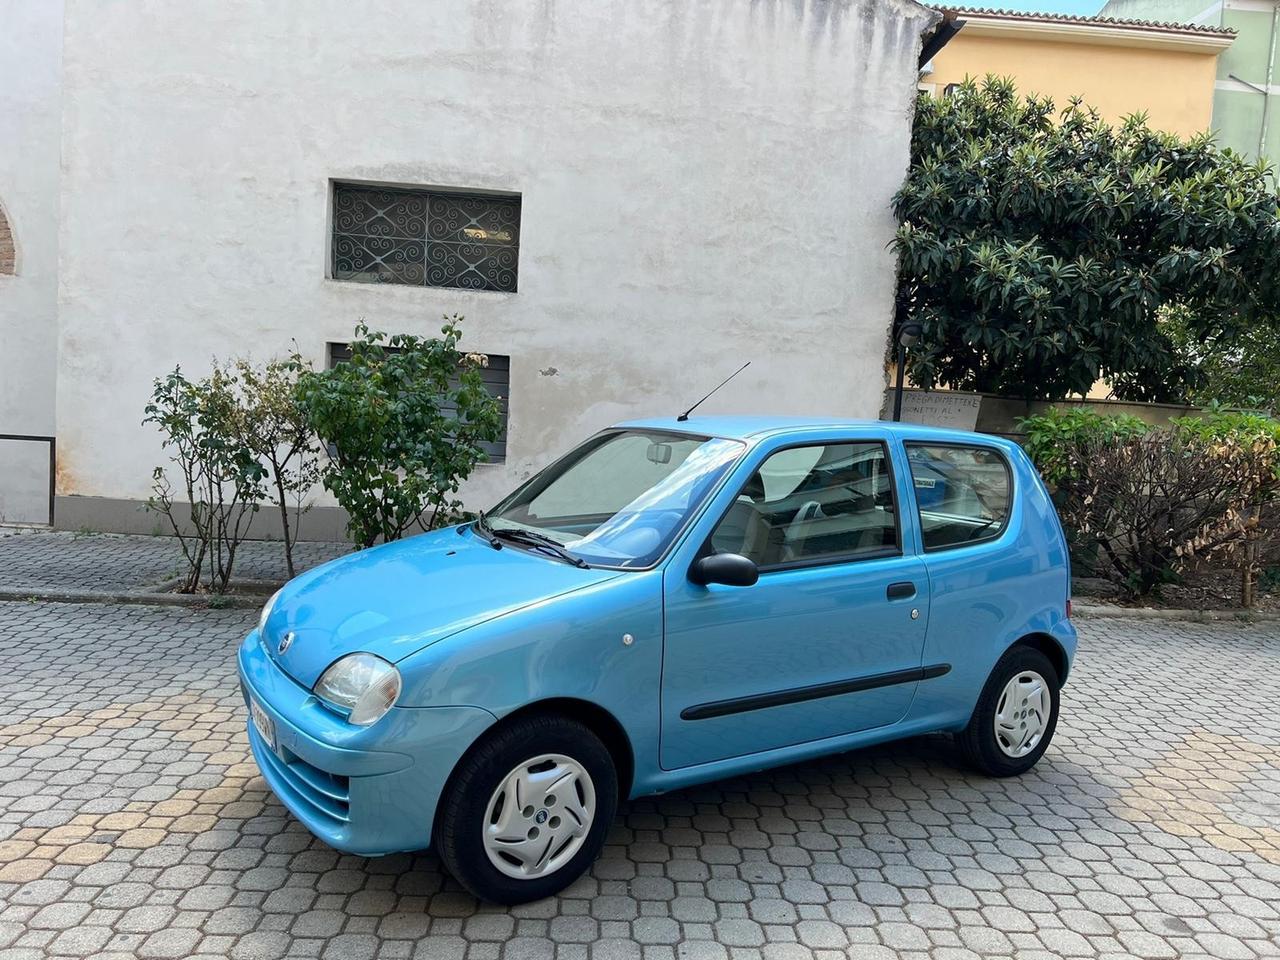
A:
{"x": 395, "y": 599}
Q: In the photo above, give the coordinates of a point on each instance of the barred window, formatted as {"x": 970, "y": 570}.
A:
{"x": 425, "y": 237}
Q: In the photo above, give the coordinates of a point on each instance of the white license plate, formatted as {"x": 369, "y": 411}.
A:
{"x": 266, "y": 726}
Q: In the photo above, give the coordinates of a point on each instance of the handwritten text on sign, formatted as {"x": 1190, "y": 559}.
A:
{"x": 941, "y": 408}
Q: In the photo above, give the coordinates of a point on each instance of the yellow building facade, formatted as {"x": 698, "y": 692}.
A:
{"x": 1119, "y": 67}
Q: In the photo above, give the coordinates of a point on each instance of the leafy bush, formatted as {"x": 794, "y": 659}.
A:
{"x": 222, "y": 480}
{"x": 1259, "y": 434}
{"x": 1240, "y": 368}
{"x": 1154, "y": 502}
{"x": 1149, "y": 514}
{"x": 1246, "y": 427}
{"x": 1055, "y": 437}
{"x": 403, "y": 421}
{"x": 271, "y": 426}
{"x": 237, "y": 438}
{"x": 1039, "y": 247}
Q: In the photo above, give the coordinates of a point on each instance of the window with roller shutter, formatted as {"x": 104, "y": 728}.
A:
{"x": 497, "y": 380}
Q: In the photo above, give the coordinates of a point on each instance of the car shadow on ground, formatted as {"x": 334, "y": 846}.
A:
{"x": 855, "y": 810}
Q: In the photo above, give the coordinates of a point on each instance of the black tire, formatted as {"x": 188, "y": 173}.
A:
{"x": 978, "y": 744}
{"x": 460, "y": 823}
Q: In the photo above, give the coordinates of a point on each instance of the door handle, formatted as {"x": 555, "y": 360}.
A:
{"x": 902, "y": 590}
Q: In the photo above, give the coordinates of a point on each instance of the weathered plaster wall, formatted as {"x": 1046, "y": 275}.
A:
{"x": 30, "y": 123}
{"x": 703, "y": 184}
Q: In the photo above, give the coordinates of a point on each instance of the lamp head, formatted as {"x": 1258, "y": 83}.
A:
{"x": 909, "y": 333}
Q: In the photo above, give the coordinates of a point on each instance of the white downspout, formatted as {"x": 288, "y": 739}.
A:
{"x": 1266, "y": 87}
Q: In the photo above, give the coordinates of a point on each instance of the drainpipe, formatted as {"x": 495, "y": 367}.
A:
{"x": 947, "y": 28}
{"x": 1271, "y": 68}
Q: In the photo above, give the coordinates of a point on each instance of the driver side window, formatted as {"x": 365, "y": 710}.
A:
{"x": 814, "y": 503}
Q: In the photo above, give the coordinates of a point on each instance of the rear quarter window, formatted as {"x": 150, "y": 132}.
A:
{"x": 963, "y": 493}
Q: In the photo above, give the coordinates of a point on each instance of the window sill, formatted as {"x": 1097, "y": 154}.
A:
{"x": 462, "y": 291}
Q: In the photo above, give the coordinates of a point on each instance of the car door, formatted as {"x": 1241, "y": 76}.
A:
{"x": 829, "y": 640}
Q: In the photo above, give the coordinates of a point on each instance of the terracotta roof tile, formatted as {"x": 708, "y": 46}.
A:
{"x": 1150, "y": 25}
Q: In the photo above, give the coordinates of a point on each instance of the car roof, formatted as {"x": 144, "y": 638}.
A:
{"x": 752, "y": 429}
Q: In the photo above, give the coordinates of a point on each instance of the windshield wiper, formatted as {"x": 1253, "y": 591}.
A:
{"x": 481, "y": 526}
{"x": 541, "y": 540}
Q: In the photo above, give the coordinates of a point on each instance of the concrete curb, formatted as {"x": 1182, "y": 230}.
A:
{"x": 1101, "y": 610}
{"x": 151, "y": 598}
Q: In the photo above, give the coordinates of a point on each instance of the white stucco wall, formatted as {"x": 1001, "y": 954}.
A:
{"x": 703, "y": 184}
{"x": 30, "y": 123}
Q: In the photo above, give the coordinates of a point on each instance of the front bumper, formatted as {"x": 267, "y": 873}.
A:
{"x": 363, "y": 790}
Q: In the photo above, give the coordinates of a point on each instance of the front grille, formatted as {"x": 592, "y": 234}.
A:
{"x": 326, "y": 795}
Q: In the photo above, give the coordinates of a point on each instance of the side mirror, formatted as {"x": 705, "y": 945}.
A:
{"x": 731, "y": 569}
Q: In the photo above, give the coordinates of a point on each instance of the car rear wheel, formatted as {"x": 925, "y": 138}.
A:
{"x": 1015, "y": 717}
{"x": 527, "y": 810}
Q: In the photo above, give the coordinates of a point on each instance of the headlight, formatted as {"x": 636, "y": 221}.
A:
{"x": 365, "y": 685}
{"x": 266, "y": 612}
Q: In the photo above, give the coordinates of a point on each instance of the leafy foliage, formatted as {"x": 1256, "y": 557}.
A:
{"x": 269, "y": 423}
{"x": 1241, "y": 369}
{"x": 1260, "y": 435}
{"x": 1155, "y": 502}
{"x": 1038, "y": 248}
{"x": 1054, "y": 437}
{"x": 403, "y": 421}
{"x": 1151, "y": 500}
{"x": 221, "y": 478}
{"x": 1249, "y": 428}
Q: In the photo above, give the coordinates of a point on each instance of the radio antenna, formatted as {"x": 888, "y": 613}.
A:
{"x": 685, "y": 416}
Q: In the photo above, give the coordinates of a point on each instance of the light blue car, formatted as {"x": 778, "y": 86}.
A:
{"x": 674, "y": 601}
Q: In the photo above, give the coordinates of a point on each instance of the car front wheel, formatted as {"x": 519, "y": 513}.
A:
{"x": 527, "y": 810}
{"x": 1015, "y": 717}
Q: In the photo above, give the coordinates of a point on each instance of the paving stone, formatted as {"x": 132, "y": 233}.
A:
{"x": 113, "y": 562}
{"x": 1149, "y": 829}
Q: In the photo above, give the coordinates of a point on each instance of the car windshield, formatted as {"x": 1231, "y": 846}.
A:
{"x": 619, "y": 499}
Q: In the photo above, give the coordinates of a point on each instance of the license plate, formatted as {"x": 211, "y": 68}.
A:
{"x": 266, "y": 726}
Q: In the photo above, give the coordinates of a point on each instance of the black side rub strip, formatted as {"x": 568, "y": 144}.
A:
{"x": 722, "y": 708}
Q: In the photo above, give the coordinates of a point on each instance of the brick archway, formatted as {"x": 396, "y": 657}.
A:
{"x": 8, "y": 247}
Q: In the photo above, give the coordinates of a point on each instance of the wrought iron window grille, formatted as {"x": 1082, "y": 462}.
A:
{"x": 425, "y": 237}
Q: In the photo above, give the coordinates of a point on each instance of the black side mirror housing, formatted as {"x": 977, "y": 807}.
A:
{"x": 730, "y": 569}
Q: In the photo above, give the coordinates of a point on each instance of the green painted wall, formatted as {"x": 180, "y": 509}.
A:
{"x": 1238, "y": 111}
{"x": 1171, "y": 11}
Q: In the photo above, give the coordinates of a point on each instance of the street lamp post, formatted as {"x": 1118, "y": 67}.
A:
{"x": 905, "y": 334}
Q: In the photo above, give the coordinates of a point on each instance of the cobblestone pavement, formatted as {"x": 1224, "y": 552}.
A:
{"x": 113, "y": 562}
{"x": 133, "y": 824}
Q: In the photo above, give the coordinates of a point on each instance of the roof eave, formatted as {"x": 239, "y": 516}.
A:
{"x": 1103, "y": 31}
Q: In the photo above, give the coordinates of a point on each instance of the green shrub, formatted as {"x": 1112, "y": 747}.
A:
{"x": 403, "y": 421}
{"x": 1140, "y": 503}
{"x": 272, "y": 426}
{"x": 1241, "y": 426}
{"x": 1260, "y": 435}
{"x": 1055, "y": 437}
{"x": 220, "y": 477}
{"x": 1157, "y": 501}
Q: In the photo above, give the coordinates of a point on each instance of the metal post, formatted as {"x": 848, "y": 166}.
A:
{"x": 53, "y": 475}
{"x": 897, "y": 387}
{"x": 53, "y": 461}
